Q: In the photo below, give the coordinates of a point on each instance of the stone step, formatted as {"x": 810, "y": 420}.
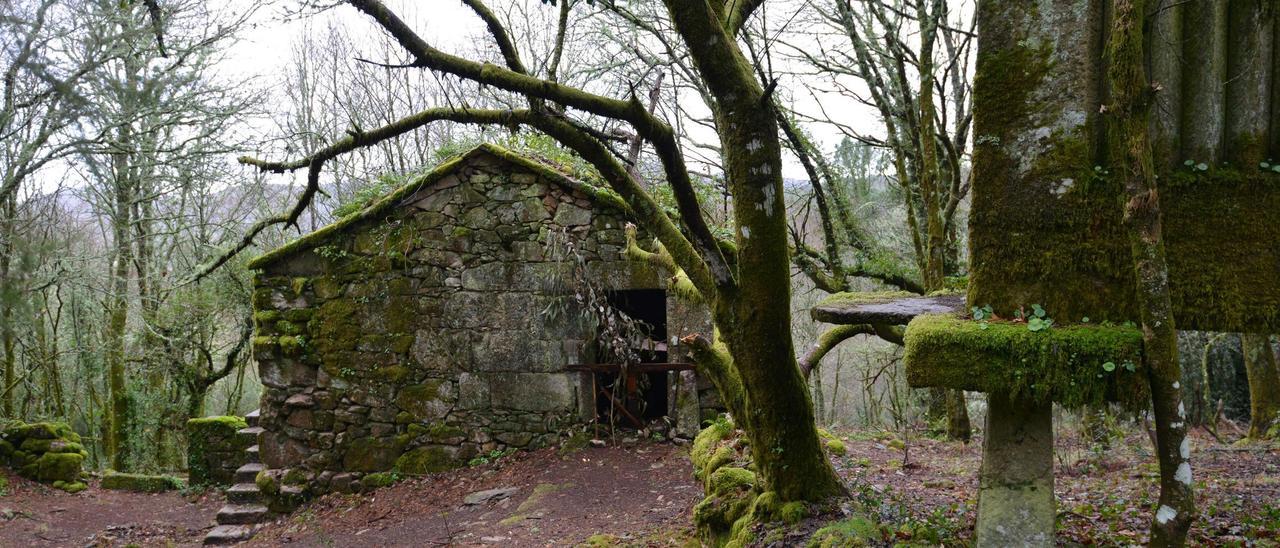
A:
{"x": 249, "y": 472}
{"x": 244, "y": 493}
{"x": 250, "y": 434}
{"x": 242, "y": 514}
{"x": 251, "y": 454}
{"x": 229, "y": 534}
{"x": 252, "y": 418}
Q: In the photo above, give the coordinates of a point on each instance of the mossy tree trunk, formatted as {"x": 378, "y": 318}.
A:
{"x": 1132, "y": 96}
{"x": 751, "y": 359}
{"x": 7, "y": 342}
{"x": 1264, "y": 384}
{"x": 118, "y": 316}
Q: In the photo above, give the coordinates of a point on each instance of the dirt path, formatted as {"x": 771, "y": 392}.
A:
{"x": 644, "y": 492}
{"x": 32, "y": 514}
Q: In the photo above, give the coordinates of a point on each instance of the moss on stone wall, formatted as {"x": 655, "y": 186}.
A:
{"x": 214, "y": 451}
{"x": 45, "y": 451}
{"x": 1082, "y": 365}
{"x": 413, "y": 336}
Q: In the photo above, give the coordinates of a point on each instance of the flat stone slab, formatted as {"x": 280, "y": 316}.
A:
{"x": 241, "y": 514}
{"x": 228, "y": 534}
{"x": 883, "y": 307}
{"x": 1073, "y": 365}
{"x": 481, "y": 497}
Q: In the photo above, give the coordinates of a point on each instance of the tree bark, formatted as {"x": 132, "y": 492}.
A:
{"x": 6, "y": 307}
{"x": 1203, "y": 97}
{"x": 118, "y": 313}
{"x": 1132, "y": 93}
{"x": 754, "y": 314}
{"x": 1264, "y": 384}
{"x": 1248, "y": 87}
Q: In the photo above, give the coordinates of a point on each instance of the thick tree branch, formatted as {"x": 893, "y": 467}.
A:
{"x": 632, "y": 111}
{"x": 828, "y": 341}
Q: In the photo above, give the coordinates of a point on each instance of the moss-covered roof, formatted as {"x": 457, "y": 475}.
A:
{"x": 386, "y": 204}
{"x": 883, "y": 307}
{"x": 1075, "y": 366}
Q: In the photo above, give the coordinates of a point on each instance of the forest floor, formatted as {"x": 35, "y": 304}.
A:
{"x": 1105, "y": 498}
{"x": 33, "y": 514}
{"x": 642, "y": 495}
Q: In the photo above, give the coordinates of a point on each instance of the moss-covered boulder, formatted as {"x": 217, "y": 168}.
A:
{"x": 730, "y": 495}
{"x": 48, "y": 452}
{"x": 1077, "y": 365}
{"x": 140, "y": 483}
{"x": 214, "y": 451}
{"x": 713, "y": 448}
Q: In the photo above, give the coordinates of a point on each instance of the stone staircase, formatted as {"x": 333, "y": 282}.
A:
{"x": 245, "y": 508}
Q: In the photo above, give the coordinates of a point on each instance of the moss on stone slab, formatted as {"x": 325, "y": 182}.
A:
{"x": 140, "y": 483}
{"x": 1075, "y": 366}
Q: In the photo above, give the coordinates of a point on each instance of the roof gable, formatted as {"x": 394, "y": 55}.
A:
{"x": 407, "y": 194}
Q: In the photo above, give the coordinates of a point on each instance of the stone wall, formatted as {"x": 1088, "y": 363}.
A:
{"x": 44, "y": 451}
{"x": 417, "y": 337}
{"x": 214, "y": 451}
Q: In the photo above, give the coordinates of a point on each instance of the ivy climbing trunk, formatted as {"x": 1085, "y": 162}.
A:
{"x": 1132, "y": 97}
{"x": 1264, "y": 385}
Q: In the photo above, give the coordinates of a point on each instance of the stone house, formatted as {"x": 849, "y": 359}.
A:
{"x": 417, "y": 334}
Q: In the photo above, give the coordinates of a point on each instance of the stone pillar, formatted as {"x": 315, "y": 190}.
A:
{"x": 688, "y": 410}
{"x": 1015, "y": 500}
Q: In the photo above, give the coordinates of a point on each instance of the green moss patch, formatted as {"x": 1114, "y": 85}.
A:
{"x": 140, "y": 483}
{"x": 1074, "y": 366}
{"x": 730, "y": 497}
{"x": 380, "y": 479}
{"x": 48, "y": 452}
{"x": 214, "y": 451}
{"x": 427, "y": 459}
{"x": 853, "y": 531}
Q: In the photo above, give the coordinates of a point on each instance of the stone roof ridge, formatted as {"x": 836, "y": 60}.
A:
{"x": 409, "y": 193}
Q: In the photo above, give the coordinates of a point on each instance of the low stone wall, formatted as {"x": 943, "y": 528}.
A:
{"x": 140, "y": 483}
{"x": 45, "y": 451}
{"x": 214, "y": 451}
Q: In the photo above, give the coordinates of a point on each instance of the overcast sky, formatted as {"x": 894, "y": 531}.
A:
{"x": 447, "y": 25}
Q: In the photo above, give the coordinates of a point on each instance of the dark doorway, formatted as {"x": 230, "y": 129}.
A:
{"x": 632, "y": 397}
